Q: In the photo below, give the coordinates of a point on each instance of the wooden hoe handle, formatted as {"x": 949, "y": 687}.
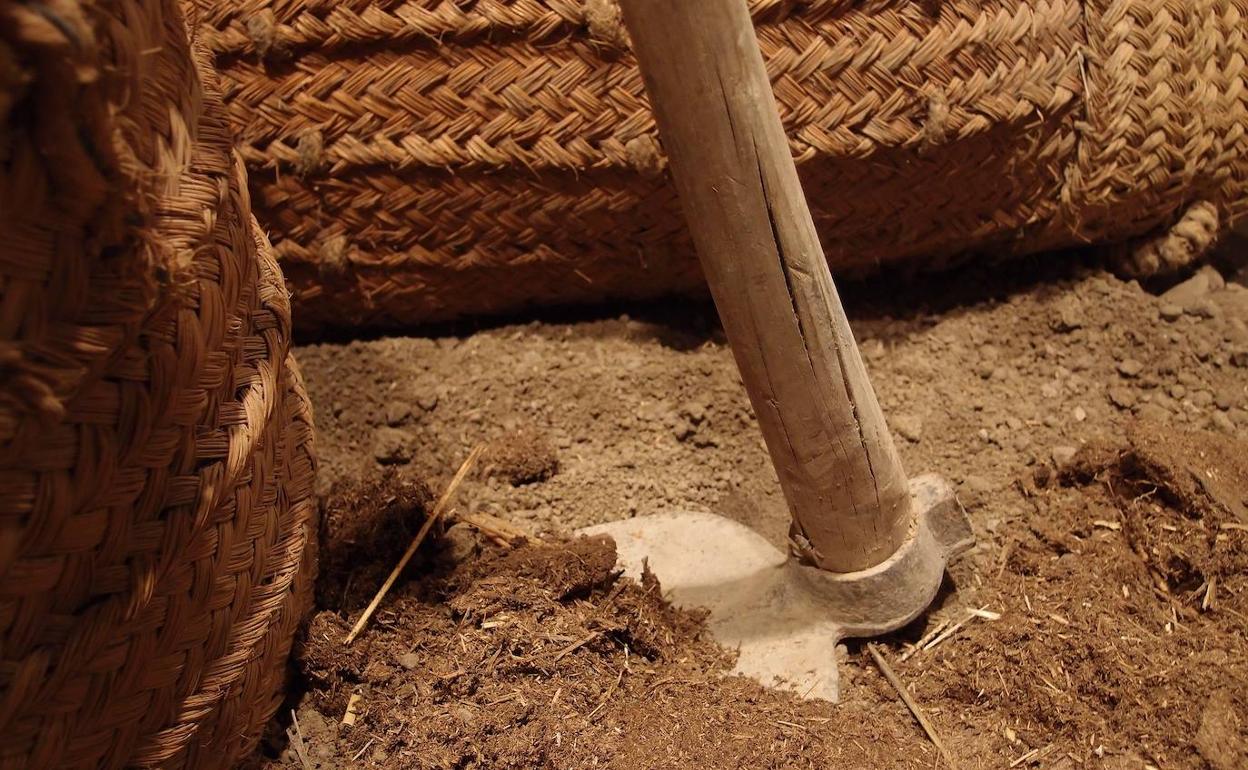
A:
{"x": 761, "y": 255}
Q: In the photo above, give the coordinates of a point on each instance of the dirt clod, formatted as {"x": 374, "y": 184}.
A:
{"x": 523, "y": 456}
{"x": 392, "y": 446}
{"x": 366, "y": 526}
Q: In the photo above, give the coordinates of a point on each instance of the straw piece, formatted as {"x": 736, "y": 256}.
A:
{"x": 436, "y": 514}
{"x": 907, "y": 699}
{"x": 493, "y": 526}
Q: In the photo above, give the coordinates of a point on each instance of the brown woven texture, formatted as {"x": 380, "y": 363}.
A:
{"x": 156, "y": 513}
{"x": 422, "y": 159}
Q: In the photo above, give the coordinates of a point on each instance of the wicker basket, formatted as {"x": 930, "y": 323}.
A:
{"x": 156, "y": 514}
{"x": 422, "y": 159}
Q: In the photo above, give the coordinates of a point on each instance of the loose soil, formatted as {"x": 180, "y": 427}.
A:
{"x": 1095, "y": 432}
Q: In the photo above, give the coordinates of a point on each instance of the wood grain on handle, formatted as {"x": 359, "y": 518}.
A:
{"x": 757, "y": 243}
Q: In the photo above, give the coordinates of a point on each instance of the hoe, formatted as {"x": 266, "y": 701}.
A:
{"x": 867, "y": 546}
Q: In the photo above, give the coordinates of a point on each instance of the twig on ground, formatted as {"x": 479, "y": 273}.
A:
{"x": 907, "y": 699}
{"x": 971, "y": 614}
{"x": 573, "y": 647}
{"x": 500, "y": 530}
{"x": 437, "y": 512}
{"x": 607, "y": 697}
{"x": 296, "y": 740}
{"x": 360, "y": 753}
{"x": 929, "y": 636}
{"x": 1033, "y": 754}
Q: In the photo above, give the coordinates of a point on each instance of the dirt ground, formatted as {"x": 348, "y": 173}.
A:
{"x": 1093, "y": 429}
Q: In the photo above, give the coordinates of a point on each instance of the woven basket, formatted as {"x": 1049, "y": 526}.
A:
{"x": 156, "y": 514}
{"x": 422, "y": 159}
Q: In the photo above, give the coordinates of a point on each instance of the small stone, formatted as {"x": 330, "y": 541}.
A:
{"x": 459, "y": 543}
{"x": 976, "y": 488}
{"x": 1240, "y": 358}
{"x": 397, "y": 413}
{"x": 1152, "y": 412}
{"x": 1068, "y": 315}
{"x": 1177, "y": 390}
{"x": 909, "y": 427}
{"x": 390, "y": 447}
{"x": 872, "y": 349}
{"x": 1170, "y": 312}
{"x": 1201, "y": 398}
{"x": 1190, "y": 291}
{"x": 1205, "y": 308}
{"x": 427, "y": 401}
{"x": 1042, "y": 475}
{"x": 1223, "y": 422}
{"x": 695, "y": 411}
{"x": 1014, "y": 423}
{"x": 1216, "y": 281}
{"x": 1062, "y": 455}
{"x": 682, "y": 430}
{"x": 1165, "y": 402}
{"x": 1080, "y": 414}
{"x": 337, "y": 409}
{"x": 702, "y": 440}
{"x": 1130, "y": 368}
{"x": 1048, "y": 390}
{"x": 1226, "y": 398}
{"x": 1067, "y": 563}
{"x": 409, "y": 660}
{"x": 1237, "y": 330}
{"x": 1123, "y": 398}
{"x": 1050, "y": 421}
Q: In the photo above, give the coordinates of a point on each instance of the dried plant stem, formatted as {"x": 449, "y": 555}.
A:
{"x": 907, "y": 699}
{"x": 436, "y": 514}
{"x": 494, "y": 527}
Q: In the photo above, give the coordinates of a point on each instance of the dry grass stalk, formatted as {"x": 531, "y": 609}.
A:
{"x": 607, "y": 697}
{"x": 929, "y": 636}
{"x": 436, "y": 514}
{"x": 495, "y": 528}
{"x": 907, "y": 699}
{"x": 296, "y": 740}
{"x": 971, "y": 614}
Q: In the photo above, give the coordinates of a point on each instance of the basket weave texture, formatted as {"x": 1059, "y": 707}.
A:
{"x": 422, "y": 159}
{"x": 156, "y": 511}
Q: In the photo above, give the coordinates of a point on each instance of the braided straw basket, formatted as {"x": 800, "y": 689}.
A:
{"x": 156, "y": 514}
{"x": 422, "y": 159}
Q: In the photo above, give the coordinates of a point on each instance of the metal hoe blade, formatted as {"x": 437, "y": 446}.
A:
{"x": 785, "y": 619}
